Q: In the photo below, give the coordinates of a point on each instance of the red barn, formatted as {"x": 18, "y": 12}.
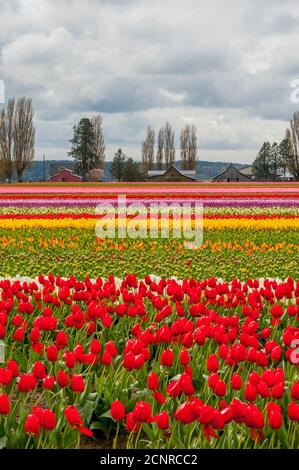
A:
{"x": 64, "y": 175}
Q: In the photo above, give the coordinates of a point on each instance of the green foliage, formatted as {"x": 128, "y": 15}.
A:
{"x": 118, "y": 165}
{"x": 83, "y": 148}
{"x": 270, "y": 163}
{"x": 125, "y": 169}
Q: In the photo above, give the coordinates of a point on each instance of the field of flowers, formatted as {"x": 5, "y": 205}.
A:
{"x": 141, "y": 342}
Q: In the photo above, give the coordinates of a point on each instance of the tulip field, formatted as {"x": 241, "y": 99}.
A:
{"x": 140, "y": 342}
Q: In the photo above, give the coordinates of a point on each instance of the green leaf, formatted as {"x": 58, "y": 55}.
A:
{"x": 107, "y": 414}
{"x": 3, "y": 442}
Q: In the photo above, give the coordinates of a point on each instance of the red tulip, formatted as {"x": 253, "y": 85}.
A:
{"x": 49, "y": 420}
{"x": 26, "y": 383}
{"x": 6, "y": 376}
{"x": 48, "y": 382}
{"x": 77, "y": 384}
{"x": 212, "y": 363}
{"x": 19, "y": 335}
{"x": 70, "y": 359}
{"x": 220, "y": 389}
{"x": 295, "y": 391}
{"x": 52, "y": 353}
{"x": 213, "y": 379}
{"x": 162, "y": 420}
{"x": 250, "y": 392}
{"x": 73, "y": 416}
{"x": 95, "y": 346}
{"x": 131, "y": 424}
{"x": 62, "y": 379}
{"x": 185, "y": 413}
{"x": 61, "y": 340}
{"x": 236, "y": 382}
{"x": 186, "y": 384}
{"x": 32, "y": 425}
{"x": 167, "y": 358}
{"x": 118, "y": 411}
{"x": 12, "y": 366}
{"x": 142, "y": 412}
{"x": 106, "y": 358}
{"x": 4, "y": 405}
{"x": 153, "y": 381}
{"x": 274, "y": 415}
{"x": 39, "y": 370}
{"x": 160, "y": 398}
{"x": 293, "y": 411}
{"x": 184, "y": 357}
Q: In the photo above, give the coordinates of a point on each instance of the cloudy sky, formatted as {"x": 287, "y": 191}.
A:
{"x": 225, "y": 65}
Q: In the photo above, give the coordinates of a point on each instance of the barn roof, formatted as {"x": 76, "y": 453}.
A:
{"x": 55, "y": 167}
{"x": 64, "y": 168}
{"x": 235, "y": 168}
{"x": 187, "y": 173}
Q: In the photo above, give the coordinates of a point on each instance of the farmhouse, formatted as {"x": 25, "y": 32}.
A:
{"x": 172, "y": 174}
{"x": 232, "y": 174}
{"x": 63, "y": 174}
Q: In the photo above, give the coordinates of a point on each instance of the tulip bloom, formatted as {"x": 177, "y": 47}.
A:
{"x": 162, "y": 420}
{"x": 293, "y": 411}
{"x": 142, "y": 412}
{"x": 77, "y": 384}
{"x": 32, "y": 425}
{"x": 153, "y": 381}
{"x": 236, "y": 382}
{"x": 118, "y": 411}
{"x": 62, "y": 379}
{"x": 167, "y": 358}
{"x": 295, "y": 391}
{"x": 212, "y": 363}
{"x": 4, "y": 405}
{"x": 274, "y": 416}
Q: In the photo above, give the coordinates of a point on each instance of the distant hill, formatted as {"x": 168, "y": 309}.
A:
{"x": 204, "y": 170}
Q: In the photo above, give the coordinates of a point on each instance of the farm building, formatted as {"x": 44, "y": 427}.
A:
{"x": 232, "y": 174}
{"x": 63, "y": 174}
{"x": 172, "y": 174}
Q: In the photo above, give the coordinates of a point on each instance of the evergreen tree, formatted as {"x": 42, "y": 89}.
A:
{"x": 118, "y": 165}
{"x": 132, "y": 171}
{"x": 83, "y": 148}
{"x": 261, "y": 165}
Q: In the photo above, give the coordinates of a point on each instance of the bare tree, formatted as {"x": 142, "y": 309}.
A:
{"x": 160, "y": 149}
{"x": 97, "y": 123}
{"x": 147, "y": 150}
{"x": 193, "y": 149}
{"x": 23, "y": 135}
{"x": 292, "y": 136}
{"x": 6, "y": 140}
{"x": 185, "y": 140}
{"x": 169, "y": 147}
{"x": 189, "y": 147}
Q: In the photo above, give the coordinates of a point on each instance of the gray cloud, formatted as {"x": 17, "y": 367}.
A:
{"x": 225, "y": 65}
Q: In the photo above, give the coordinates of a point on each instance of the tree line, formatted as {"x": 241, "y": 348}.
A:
{"x": 165, "y": 153}
{"x": 17, "y": 138}
{"x": 275, "y": 160}
{"x": 88, "y": 146}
